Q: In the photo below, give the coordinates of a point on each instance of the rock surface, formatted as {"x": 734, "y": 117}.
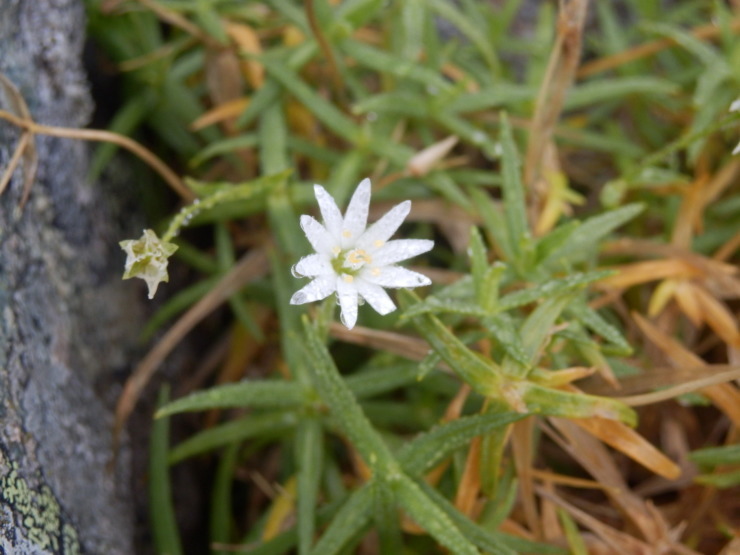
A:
{"x": 66, "y": 322}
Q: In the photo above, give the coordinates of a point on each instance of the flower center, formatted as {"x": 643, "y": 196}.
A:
{"x": 349, "y": 262}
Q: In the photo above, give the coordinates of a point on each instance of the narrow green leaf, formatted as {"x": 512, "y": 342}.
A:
{"x": 491, "y": 542}
{"x": 162, "y": 514}
{"x": 376, "y": 381}
{"x": 469, "y": 29}
{"x": 554, "y": 402}
{"x": 385, "y": 516}
{"x": 720, "y": 480}
{"x": 326, "y": 112}
{"x": 617, "y": 88}
{"x": 224, "y": 146}
{"x": 255, "y": 394}
{"x": 343, "y": 405}
{"x": 221, "y": 498}
{"x": 353, "y": 516}
{"x": 427, "y": 514}
{"x": 273, "y": 136}
{"x": 550, "y": 288}
{"x": 386, "y": 63}
{"x": 513, "y": 190}
{"x": 482, "y": 375}
{"x": 588, "y": 235}
{"x": 309, "y": 454}
{"x": 504, "y": 330}
{"x": 270, "y": 424}
{"x": 716, "y": 456}
{"x": 493, "y": 220}
{"x": 596, "y": 323}
{"x": 575, "y": 540}
{"x": 430, "y": 448}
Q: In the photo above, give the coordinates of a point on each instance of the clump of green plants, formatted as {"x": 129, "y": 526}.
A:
{"x": 566, "y": 384}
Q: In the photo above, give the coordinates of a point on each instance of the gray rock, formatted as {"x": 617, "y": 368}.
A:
{"x": 67, "y": 321}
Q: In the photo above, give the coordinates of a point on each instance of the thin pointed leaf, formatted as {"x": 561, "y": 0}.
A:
{"x": 255, "y": 394}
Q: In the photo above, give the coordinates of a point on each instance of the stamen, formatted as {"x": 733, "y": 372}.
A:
{"x": 346, "y": 234}
{"x": 375, "y": 271}
{"x": 359, "y": 256}
{"x": 378, "y": 243}
{"x": 347, "y": 278}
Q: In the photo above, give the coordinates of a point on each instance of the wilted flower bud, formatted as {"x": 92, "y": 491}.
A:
{"x": 146, "y": 258}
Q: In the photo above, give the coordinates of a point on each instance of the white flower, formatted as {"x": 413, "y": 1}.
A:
{"x": 355, "y": 262}
{"x": 735, "y": 107}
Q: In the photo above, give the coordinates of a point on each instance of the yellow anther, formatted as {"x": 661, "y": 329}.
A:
{"x": 378, "y": 243}
{"x": 346, "y": 234}
{"x": 375, "y": 271}
{"x": 359, "y": 256}
{"x": 347, "y": 278}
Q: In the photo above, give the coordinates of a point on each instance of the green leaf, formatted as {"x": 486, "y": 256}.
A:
{"x": 385, "y": 515}
{"x": 716, "y": 456}
{"x": 427, "y": 514}
{"x": 327, "y": 113}
{"x": 491, "y": 542}
{"x": 430, "y": 448}
{"x": 553, "y": 402}
{"x": 513, "y": 190}
{"x": 482, "y": 375}
{"x": 309, "y": 455}
{"x": 221, "y": 498}
{"x": 617, "y": 88}
{"x": 343, "y": 405}
{"x": 596, "y": 323}
{"x": 254, "y": 394}
{"x": 162, "y": 514}
{"x": 588, "y": 235}
{"x": 270, "y": 424}
{"x": 504, "y": 329}
{"x": 353, "y": 517}
{"x": 720, "y": 480}
{"x": 493, "y": 220}
{"x": 391, "y": 64}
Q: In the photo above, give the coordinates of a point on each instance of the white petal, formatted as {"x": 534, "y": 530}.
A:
{"x": 395, "y": 251}
{"x": 318, "y": 289}
{"x": 320, "y": 239}
{"x": 394, "y": 276}
{"x": 735, "y": 106}
{"x": 347, "y": 295}
{"x": 329, "y": 211}
{"x": 313, "y": 265}
{"x": 355, "y": 219}
{"x": 375, "y": 296}
{"x": 378, "y": 233}
{"x": 737, "y": 149}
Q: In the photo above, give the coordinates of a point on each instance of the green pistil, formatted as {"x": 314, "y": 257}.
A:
{"x": 344, "y": 261}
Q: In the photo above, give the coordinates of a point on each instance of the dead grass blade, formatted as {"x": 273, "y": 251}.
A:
{"x": 410, "y": 348}
{"x": 521, "y": 444}
{"x": 597, "y": 461}
{"x": 223, "y": 112}
{"x": 683, "y": 379}
{"x": 170, "y": 177}
{"x": 725, "y": 395}
{"x": 26, "y": 147}
{"x": 704, "y": 32}
{"x": 632, "y": 444}
{"x": 249, "y": 46}
{"x": 252, "y": 266}
{"x": 559, "y": 76}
